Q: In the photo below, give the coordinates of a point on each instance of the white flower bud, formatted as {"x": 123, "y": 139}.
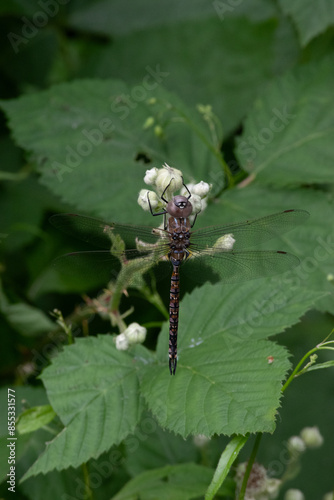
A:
{"x": 169, "y": 176}
{"x": 184, "y": 191}
{"x": 150, "y": 176}
{"x": 196, "y": 202}
{"x": 135, "y": 333}
{"x": 293, "y": 494}
{"x": 273, "y": 487}
{"x": 201, "y": 189}
{"x": 328, "y": 496}
{"x": 143, "y": 199}
{"x": 122, "y": 343}
{"x": 225, "y": 242}
{"x": 311, "y": 437}
{"x": 296, "y": 444}
{"x": 257, "y": 479}
{"x": 200, "y": 440}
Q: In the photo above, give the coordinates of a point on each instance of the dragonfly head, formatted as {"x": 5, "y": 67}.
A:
{"x": 180, "y": 206}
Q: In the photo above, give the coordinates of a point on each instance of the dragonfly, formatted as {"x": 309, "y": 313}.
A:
{"x": 220, "y": 253}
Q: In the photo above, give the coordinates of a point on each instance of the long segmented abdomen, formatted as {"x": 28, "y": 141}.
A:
{"x": 174, "y": 297}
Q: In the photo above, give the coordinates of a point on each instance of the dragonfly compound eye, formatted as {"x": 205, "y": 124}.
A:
{"x": 180, "y": 206}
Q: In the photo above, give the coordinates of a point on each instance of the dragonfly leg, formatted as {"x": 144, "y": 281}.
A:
{"x": 163, "y": 194}
{"x": 149, "y": 204}
{"x": 192, "y": 225}
{"x": 172, "y": 365}
{"x": 185, "y": 186}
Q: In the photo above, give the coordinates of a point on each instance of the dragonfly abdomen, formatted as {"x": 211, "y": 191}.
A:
{"x": 174, "y": 298}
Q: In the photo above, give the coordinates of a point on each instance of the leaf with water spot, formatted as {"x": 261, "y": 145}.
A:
{"x": 229, "y": 376}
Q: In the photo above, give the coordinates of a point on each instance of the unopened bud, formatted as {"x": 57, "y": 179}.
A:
{"x": 143, "y": 199}
{"x": 150, "y": 176}
{"x": 200, "y": 440}
{"x": 148, "y": 122}
{"x": 196, "y": 203}
{"x": 169, "y": 176}
{"x": 273, "y": 486}
{"x": 201, "y": 189}
{"x": 296, "y": 445}
{"x": 294, "y": 494}
{"x": 311, "y": 437}
{"x": 122, "y": 343}
{"x": 225, "y": 242}
{"x": 135, "y": 333}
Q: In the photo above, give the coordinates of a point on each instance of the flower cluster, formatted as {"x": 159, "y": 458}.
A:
{"x": 167, "y": 181}
{"x": 259, "y": 485}
{"x": 134, "y": 334}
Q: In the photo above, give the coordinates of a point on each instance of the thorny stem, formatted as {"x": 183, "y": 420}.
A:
{"x": 249, "y": 466}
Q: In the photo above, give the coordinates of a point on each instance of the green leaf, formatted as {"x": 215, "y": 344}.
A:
{"x": 151, "y": 447}
{"x": 35, "y": 418}
{"x": 117, "y": 18}
{"x": 179, "y": 482}
{"x": 24, "y": 396}
{"x": 319, "y": 366}
{"x": 22, "y": 209}
{"x": 312, "y": 242}
{"x": 86, "y": 135}
{"x": 14, "y": 7}
{"x": 224, "y": 382}
{"x": 288, "y": 136}
{"x": 94, "y": 390}
{"x": 311, "y": 17}
{"x": 188, "y": 73}
{"x": 225, "y": 463}
{"x": 24, "y": 318}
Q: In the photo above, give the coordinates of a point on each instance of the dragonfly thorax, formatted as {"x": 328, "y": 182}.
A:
{"x": 180, "y": 206}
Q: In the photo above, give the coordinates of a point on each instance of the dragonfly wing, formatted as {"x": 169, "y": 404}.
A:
{"x": 236, "y": 267}
{"x": 100, "y": 267}
{"x": 92, "y": 268}
{"x": 250, "y": 233}
{"x": 98, "y": 232}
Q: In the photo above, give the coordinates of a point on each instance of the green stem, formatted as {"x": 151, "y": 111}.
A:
{"x": 249, "y": 466}
{"x": 130, "y": 272}
{"x": 301, "y": 362}
{"x": 16, "y": 176}
{"x": 216, "y": 152}
{"x": 88, "y": 491}
{"x": 295, "y": 371}
{"x": 117, "y": 318}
